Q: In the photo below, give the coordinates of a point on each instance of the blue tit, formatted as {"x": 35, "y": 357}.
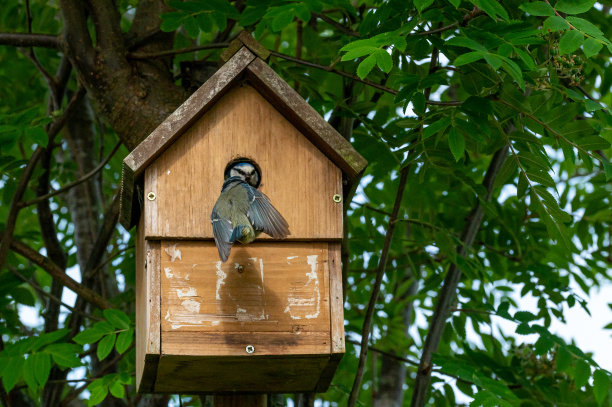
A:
{"x": 242, "y": 212}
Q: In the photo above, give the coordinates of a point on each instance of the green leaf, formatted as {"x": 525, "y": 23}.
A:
{"x": 29, "y": 373}
{"x": 592, "y": 106}
{"x": 591, "y": 47}
{"x": 384, "y": 61}
{"x": 570, "y": 42}
{"x": 555, "y": 23}
{"x": 282, "y": 20}
{"x": 64, "y": 354}
{"x": 601, "y": 385}
{"x": 586, "y": 27}
{"x": 12, "y": 372}
{"x": 524, "y": 316}
{"x": 173, "y": 20}
{"x": 302, "y": 12}
{"x": 418, "y": 103}
{"x": 124, "y": 340}
{"x": 468, "y": 58}
{"x": 456, "y": 143}
{"x": 461, "y": 41}
{"x": 563, "y": 359}
{"x": 117, "y": 318}
{"x": 98, "y": 392}
{"x": 42, "y": 363}
{"x": 191, "y": 27}
{"x": 494, "y": 60}
{"x": 574, "y": 6}
{"x": 591, "y": 143}
{"x": 90, "y": 335}
{"x": 607, "y": 168}
{"x": 117, "y": 389}
{"x": 455, "y": 3}
{"x": 538, "y": 8}
{"x": 366, "y": 66}
{"x": 524, "y": 329}
{"x": 436, "y": 127}
{"x": 422, "y": 4}
{"x": 582, "y": 372}
{"x": 105, "y": 346}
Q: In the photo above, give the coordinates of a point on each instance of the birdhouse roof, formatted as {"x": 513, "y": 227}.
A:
{"x": 244, "y": 59}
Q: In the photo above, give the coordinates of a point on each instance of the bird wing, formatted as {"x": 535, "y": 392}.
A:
{"x": 264, "y": 216}
{"x": 222, "y": 230}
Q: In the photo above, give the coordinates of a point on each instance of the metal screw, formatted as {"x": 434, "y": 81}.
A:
{"x": 151, "y": 196}
{"x": 337, "y": 198}
{"x": 250, "y": 349}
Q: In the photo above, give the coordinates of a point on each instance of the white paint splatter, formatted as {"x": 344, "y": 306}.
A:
{"x": 312, "y": 302}
{"x": 168, "y": 272}
{"x": 168, "y": 172}
{"x": 191, "y": 306}
{"x": 173, "y": 252}
{"x": 187, "y": 292}
{"x": 243, "y": 316}
{"x": 221, "y": 275}
{"x": 167, "y": 317}
{"x": 215, "y": 323}
{"x": 291, "y": 258}
{"x": 313, "y": 276}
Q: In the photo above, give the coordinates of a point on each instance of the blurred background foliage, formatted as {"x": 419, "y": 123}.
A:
{"x": 437, "y": 90}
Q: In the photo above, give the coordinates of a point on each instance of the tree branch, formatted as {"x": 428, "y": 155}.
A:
{"x": 451, "y": 282}
{"x": 382, "y": 264}
{"x": 74, "y": 183}
{"x": 57, "y": 273}
{"x": 30, "y": 40}
{"x": 161, "y": 54}
{"x": 50, "y": 296}
{"x": 335, "y": 24}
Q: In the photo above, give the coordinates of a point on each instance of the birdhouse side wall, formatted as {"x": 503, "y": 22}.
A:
{"x": 186, "y": 179}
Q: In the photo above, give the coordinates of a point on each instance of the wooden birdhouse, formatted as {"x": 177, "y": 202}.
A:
{"x": 270, "y": 318}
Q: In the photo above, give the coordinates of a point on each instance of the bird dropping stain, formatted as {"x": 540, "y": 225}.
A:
{"x": 299, "y": 300}
{"x": 174, "y": 252}
{"x": 221, "y": 275}
{"x": 168, "y": 272}
{"x": 191, "y": 306}
{"x": 187, "y": 292}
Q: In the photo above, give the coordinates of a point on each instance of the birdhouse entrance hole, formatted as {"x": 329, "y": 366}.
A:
{"x": 238, "y": 160}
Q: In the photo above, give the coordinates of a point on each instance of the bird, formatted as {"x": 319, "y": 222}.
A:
{"x": 242, "y": 211}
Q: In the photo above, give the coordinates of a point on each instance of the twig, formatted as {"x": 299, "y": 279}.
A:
{"x": 108, "y": 260}
{"x": 11, "y": 220}
{"x": 161, "y": 54}
{"x": 451, "y": 282}
{"x": 57, "y": 273}
{"x": 337, "y": 25}
{"x": 382, "y": 264}
{"x": 388, "y": 354}
{"x": 30, "y": 40}
{"x": 74, "y": 183}
{"x": 52, "y": 297}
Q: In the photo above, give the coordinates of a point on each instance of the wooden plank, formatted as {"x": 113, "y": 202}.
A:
{"x": 241, "y": 400}
{"x": 251, "y": 374}
{"x": 192, "y": 343}
{"x": 148, "y": 330}
{"x": 328, "y": 372}
{"x": 141, "y": 305}
{"x": 153, "y": 297}
{"x": 171, "y": 128}
{"x": 336, "y": 300}
{"x": 304, "y": 117}
{"x": 298, "y": 178}
{"x": 263, "y": 287}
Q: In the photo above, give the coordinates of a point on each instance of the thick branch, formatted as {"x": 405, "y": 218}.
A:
{"x": 57, "y": 273}
{"x": 451, "y": 282}
{"x": 30, "y": 40}
{"x": 382, "y": 265}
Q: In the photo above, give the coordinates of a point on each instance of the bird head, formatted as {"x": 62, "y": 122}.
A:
{"x": 245, "y": 171}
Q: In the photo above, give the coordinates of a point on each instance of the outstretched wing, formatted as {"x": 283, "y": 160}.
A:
{"x": 222, "y": 230}
{"x": 264, "y": 216}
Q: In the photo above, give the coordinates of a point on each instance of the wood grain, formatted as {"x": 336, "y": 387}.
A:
{"x": 304, "y": 117}
{"x": 254, "y": 374}
{"x": 336, "y": 300}
{"x": 263, "y": 287}
{"x": 298, "y": 178}
{"x": 148, "y": 328}
{"x": 254, "y": 400}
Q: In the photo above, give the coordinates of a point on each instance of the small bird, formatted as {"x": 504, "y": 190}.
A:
{"x": 242, "y": 212}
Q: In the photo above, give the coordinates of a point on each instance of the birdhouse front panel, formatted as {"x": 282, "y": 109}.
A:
{"x": 182, "y": 185}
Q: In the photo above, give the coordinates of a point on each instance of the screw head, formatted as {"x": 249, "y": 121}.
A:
{"x": 250, "y": 349}
{"x": 151, "y": 196}
{"x": 337, "y": 198}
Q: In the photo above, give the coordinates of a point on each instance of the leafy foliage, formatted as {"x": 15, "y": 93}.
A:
{"x": 436, "y": 87}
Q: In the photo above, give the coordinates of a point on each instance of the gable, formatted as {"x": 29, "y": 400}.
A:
{"x": 298, "y": 178}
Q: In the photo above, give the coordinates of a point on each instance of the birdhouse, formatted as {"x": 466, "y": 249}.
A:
{"x": 270, "y": 318}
